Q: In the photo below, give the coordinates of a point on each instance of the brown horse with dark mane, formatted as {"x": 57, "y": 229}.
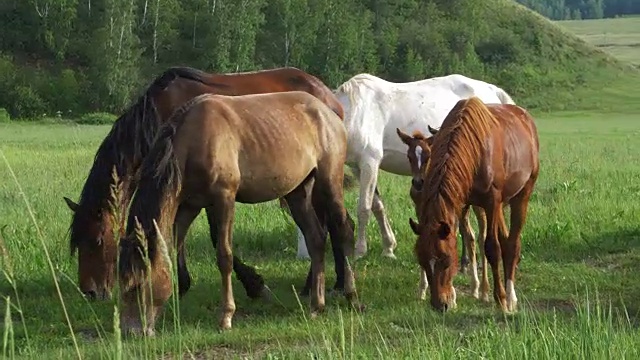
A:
{"x": 419, "y": 154}
{"x": 92, "y": 233}
{"x": 485, "y": 155}
{"x": 217, "y": 150}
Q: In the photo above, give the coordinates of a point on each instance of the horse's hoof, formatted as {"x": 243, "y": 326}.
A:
{"x": 266, "y": 294}
{"x": 389, "y": 254}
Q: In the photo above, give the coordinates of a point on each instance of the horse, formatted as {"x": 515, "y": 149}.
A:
{"x": 419, "y": 154}
{"x": 218, "y": 150}
{"x": 374, "y": 108}
{"x": 485, "y": 155}
{"x": 92, "y": 231}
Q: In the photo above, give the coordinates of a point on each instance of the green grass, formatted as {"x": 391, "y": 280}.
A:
{"x": 577, "y": 282}
{"x": 619, "y": 37}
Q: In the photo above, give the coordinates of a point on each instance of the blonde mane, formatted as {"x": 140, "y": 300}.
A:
{"x": 456, "y": 153}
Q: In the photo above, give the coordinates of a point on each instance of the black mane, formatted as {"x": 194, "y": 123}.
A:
{"x": 125, "y": 145}
{"x": 160, "y": 180}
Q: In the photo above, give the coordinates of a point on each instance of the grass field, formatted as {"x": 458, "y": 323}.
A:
{"x": 620, "y": 36}
{"x": 577, "y": 282}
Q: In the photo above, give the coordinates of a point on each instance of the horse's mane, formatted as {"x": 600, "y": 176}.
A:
{"x": 455, "y": 155}
{"x": 159, "y": 184}
{"x": 125, "y": 145}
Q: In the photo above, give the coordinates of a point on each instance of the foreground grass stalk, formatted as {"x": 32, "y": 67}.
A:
{"x": 8, "y": 344}
{"x": 46, "y": 252}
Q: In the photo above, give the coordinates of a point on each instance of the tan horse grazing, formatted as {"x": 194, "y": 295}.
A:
{"x": 217, "y": 150}
{"x": 484, "y": 155}
{"x": 419, "y": 154}
{"x": 92, "y": 233}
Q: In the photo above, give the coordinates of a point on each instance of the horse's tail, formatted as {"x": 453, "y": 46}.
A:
{"x": 504, "y": 97}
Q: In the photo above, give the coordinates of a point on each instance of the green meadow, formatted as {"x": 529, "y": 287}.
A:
{"x": 619, "y": 37}
{"x": 577, "y": 281}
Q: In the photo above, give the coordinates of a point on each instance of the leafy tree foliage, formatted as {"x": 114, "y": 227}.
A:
{"x": 93, "y": 55}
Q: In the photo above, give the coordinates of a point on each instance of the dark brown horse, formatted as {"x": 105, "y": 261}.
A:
{"x": 92, "y": 233}
{"x": 484, "y": 155}
{"x": 217, "y": 150}
{"x": 419, "y": 154}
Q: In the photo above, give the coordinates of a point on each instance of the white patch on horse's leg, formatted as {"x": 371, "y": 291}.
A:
{"x": 368, "y": 179}
{"x": 512, "y": 299}
{"x": 454, "y": 298}
{"x": 424, "y": 285}
{"x": 303, "y": 253}
{"x": 475, "y": 282}
{"x": 388, "y": 237}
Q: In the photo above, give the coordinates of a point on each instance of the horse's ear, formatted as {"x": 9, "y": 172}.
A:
{"x": 73, "y": 206}
{"x": 404, "y": 137}
{"x": 443, "y": 230}
{"x": 414, "y": 226}
{"x": 432, "y": 130}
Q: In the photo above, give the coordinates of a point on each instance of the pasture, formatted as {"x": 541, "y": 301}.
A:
{"x": 619, "y": 37}
{"x": 577, "y": 281}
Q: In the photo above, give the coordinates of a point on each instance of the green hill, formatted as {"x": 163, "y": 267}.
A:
{"x": 74, "y": 59}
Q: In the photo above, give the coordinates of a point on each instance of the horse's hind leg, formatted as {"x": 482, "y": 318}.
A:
{"x": 388, "y": 238}
{"x": 252, "y": 282}
{"x": 511, "y": 248}
{"x": 303, "y": 213}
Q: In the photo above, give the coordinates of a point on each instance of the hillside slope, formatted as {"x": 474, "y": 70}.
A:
{"x": 95, "y": 69}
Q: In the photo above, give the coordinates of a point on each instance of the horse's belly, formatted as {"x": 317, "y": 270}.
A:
{"x": 395, "y": 163}
{"x": 273, "y": 181}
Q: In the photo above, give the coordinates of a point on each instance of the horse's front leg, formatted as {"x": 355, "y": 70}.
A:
{"x": 184, "y": 219}
{"x": 481, "y": 217}
{"x": 224, "y": 205}
{"x": 368, "y": 172}
{"x": 252, "y": 282}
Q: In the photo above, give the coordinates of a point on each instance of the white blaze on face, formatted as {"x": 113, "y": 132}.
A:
{"x": 432, "y": 263}
{"x": 419, "y": 156}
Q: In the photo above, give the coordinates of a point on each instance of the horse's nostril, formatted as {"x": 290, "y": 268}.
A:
{"x": 91, "y": 294}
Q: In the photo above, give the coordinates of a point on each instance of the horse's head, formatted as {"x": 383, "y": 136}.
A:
{"x": 438, "y": 256}
{"x": 418, "y": 153}
{"x": 93, "y": 236}
{"x": 145, "y": 281}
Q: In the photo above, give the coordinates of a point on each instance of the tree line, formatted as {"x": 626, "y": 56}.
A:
{"x": 73, "y": 57}
{"x": 583, "y": 9}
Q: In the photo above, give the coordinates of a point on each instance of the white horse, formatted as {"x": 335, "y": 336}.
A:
{"x": 374, "y": 108}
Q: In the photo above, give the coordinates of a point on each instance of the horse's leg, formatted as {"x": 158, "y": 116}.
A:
{"x": 303, "y": 213}
{"x": 252, "y": 282}
{"x": 388, "y": 238}
{"x": 329, "y": 190}
{"x": 424, "y": 284}
{"x": 493, "y": 250}
{"x": 223, "y": 216}
{"x": 368, "y": 170}
{"x": 184, "y": 218}
{"x": 481, "y": 216}
{"x": 511, "y": 249}
{"x": 468, "y": 239}
{"x": 469, "y": 243}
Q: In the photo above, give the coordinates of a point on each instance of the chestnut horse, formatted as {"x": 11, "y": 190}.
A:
{"x": 91, "y": 231}
{"x": 419, "y": 154}
{"x": 217, "y": 150}
{"x": 485, "y": 155}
